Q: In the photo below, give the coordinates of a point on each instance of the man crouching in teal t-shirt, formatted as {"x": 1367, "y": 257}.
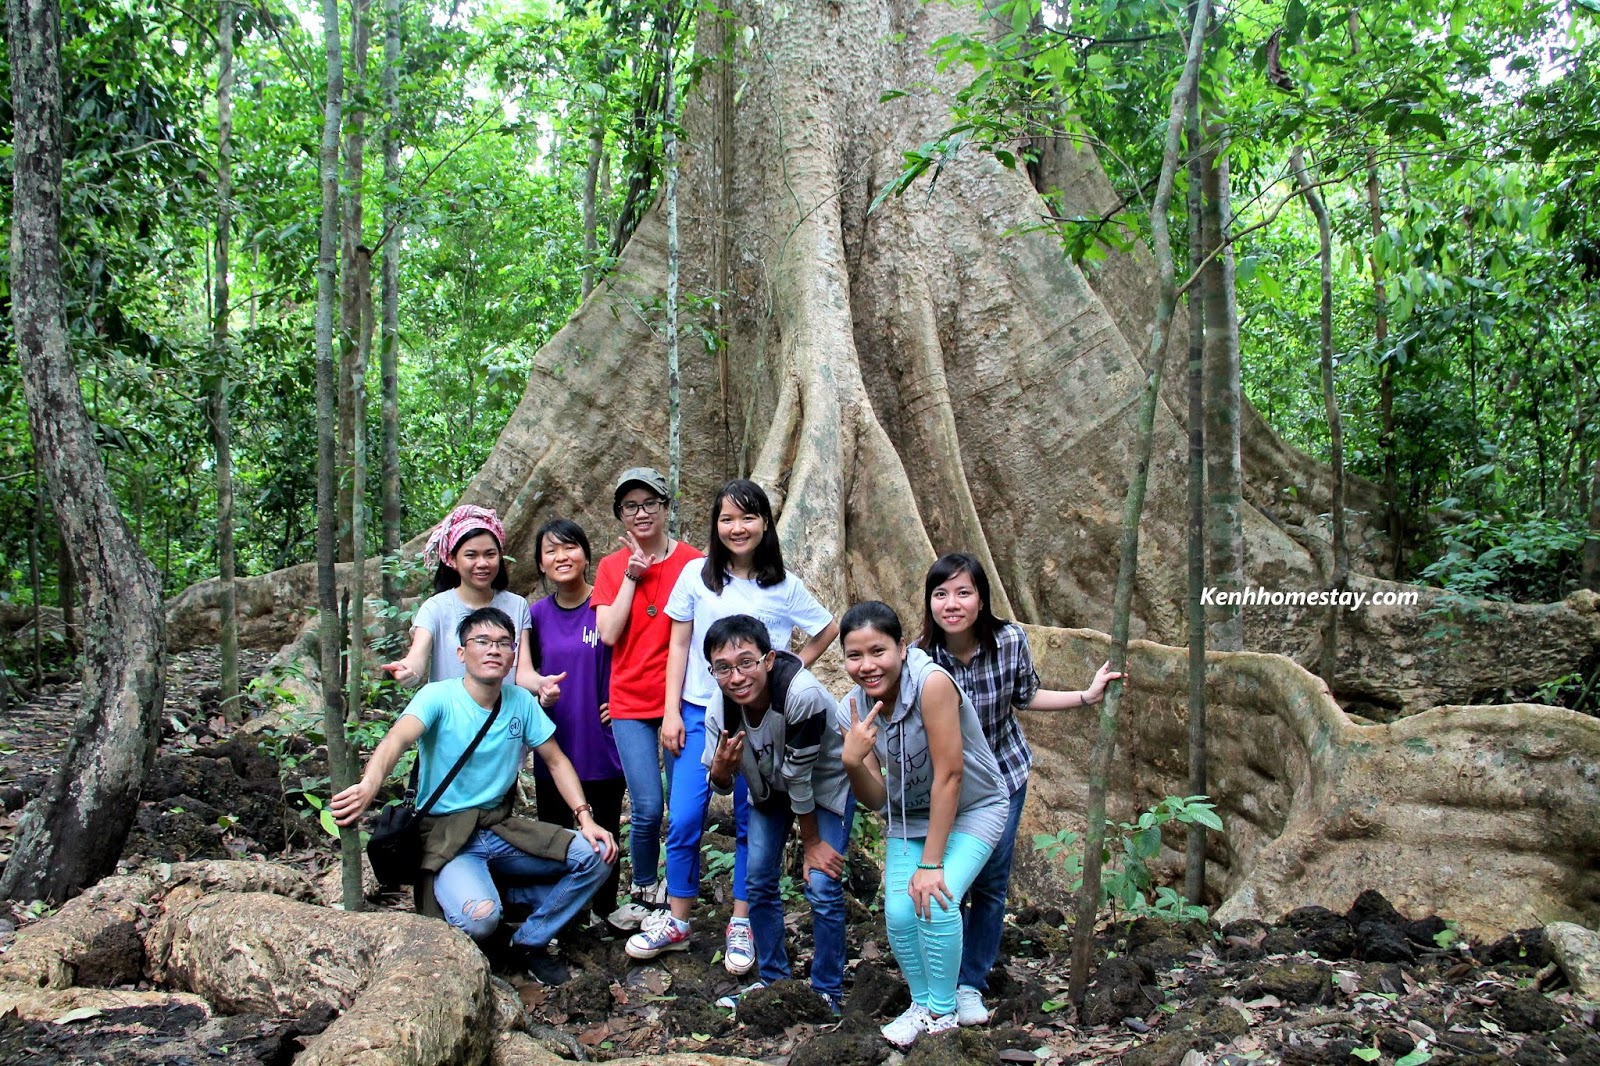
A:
{"x": 469, "y": 836}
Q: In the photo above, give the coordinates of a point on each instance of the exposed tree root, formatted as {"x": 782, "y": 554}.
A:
{"x": 236, "y": 937}
{"x": 1481, "y": 814}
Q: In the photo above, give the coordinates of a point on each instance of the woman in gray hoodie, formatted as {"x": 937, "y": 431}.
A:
{"x": 914, "y": 749}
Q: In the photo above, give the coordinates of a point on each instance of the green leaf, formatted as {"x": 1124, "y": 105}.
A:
{"x": 329, "y": 826}
{"x": 1050, "y": 1006}
{"x": 1366, "y": 1054}
{"x": 1099, "y": 61}
{"x": 1415, "y": 1058}
{"x": 1294, "y": 21}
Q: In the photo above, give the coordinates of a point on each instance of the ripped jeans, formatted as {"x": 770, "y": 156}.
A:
{"x": 472, "y": 885}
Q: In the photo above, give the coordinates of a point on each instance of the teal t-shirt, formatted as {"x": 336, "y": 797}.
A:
{"x": 450, "y": 719}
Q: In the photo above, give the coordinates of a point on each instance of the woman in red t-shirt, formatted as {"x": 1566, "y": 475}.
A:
{"x": 631, "y": 587}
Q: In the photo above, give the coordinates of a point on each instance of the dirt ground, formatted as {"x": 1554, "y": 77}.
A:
{"x": 1365, "y": 985}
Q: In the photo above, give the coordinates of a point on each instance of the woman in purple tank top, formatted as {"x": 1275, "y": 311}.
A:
{"x": 564, "y": 638}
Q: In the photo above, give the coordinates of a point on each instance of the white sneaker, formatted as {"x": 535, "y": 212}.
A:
{"x": 628, "y": 917}
{"x": 739, "y": 948}
{"x": 653, "y": 895}
{"x": 943, "y": 1023}
{"x": 969, "y": 1006}
{"x": 731, "y": 1000}
{"x": 904, "y": 1030}
{"x": 661, "y": 932}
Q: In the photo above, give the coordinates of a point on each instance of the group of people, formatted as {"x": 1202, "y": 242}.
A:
{"x": 670, "y": 678}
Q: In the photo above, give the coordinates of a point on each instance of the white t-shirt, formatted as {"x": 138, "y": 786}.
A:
{"x": 783, "y": 608}
{"x": 441, "y": 613}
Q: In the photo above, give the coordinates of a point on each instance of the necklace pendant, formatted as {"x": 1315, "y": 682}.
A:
{"x": 650, "y": 610}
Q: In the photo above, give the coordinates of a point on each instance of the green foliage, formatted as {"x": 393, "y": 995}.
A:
{"x": 1126, "y": 883}
{"x": 1537, "y": 558}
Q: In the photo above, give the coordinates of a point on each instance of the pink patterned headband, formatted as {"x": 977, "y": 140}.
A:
{"x": 441, "y": 546}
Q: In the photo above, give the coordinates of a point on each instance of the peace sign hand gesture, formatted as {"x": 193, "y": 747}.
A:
{"x": 725, "y": 763}
{"x": 638, "y": 560}
{"x": 862, "y": 734}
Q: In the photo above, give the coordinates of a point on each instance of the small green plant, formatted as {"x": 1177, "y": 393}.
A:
{"x": 1125, "y": 880}
{"x": 1448, "y": 937}
{"x": 716, "y": 861}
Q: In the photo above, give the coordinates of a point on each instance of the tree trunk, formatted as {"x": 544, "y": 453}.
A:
{"x": 1340, "y": 577}
{"x": 67, "y": 591}
{"x": 340, "y": 769}
{"x": 389, "y": 342}
{"x": 1194, "y": 866}
{"x": 355, "y": 666}
{"x": 1224, "y": 474}
{"x": 1394, "y": 512}
{"x": 35, "y": 568}
{"x": 355, "y": 146}
{"x": 1133, "y": 513}
{"x": 591, "y": 183}
{"x": 221, "y": 430}
{"x": 669, "y": 144}
{"x": 73, "y": 833}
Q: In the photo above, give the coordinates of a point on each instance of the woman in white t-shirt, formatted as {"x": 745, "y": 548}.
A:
{"x": 467, "y": 553}
{"x": 743, "y": 574}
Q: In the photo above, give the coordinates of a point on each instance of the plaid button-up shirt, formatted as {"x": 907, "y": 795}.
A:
{"x": 997, "y": 684}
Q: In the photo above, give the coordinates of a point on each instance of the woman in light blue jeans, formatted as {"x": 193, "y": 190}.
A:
{"x": 915, "y": 750}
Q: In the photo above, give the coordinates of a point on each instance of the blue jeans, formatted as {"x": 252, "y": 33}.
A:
{"x": 983, "y": 911}
{"x": 556, "y": 890}
{"x": 690, "y": 798}
{"x": 769, "y": 831}
{"x": 929, "y": 949}
{"x": 639, "y": 748}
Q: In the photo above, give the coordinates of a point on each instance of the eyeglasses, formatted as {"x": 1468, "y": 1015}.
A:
{"x": 722, "y": 671}
{"x": 483, "y": 643}
{"x": 633, "y": 507}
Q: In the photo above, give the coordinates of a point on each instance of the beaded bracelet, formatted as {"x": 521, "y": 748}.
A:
{"x": 930, "y": 865}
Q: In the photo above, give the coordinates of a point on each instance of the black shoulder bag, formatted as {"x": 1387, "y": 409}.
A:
{"x": 395, "y": 846}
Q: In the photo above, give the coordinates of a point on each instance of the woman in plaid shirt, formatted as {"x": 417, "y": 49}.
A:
{"x": 989, "y": 659}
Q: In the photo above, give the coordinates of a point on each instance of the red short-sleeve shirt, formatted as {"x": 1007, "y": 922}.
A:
{"x": 639, "y": 658}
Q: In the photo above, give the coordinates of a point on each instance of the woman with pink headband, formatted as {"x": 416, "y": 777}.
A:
{"x": 467, "y": 551}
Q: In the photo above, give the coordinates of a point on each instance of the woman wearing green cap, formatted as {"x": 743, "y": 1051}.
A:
{"x": 631, "y": 587}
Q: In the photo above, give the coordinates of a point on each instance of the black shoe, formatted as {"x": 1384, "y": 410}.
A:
{"x": 543, "y": 965}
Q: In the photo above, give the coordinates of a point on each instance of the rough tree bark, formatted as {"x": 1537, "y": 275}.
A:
{"x": 221, "y": 430}
{"x": 340, "y": 765}
{"x": 72, "y": 834}
{"x": 1194, "y": 866}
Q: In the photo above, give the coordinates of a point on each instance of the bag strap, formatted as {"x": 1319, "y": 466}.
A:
{"x": 465, "y": 755}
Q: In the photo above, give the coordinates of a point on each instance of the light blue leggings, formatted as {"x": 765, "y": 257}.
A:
{"x": 929, "y": 949}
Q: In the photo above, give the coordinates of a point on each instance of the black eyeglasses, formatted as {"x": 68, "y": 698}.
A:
{"x": 723, "y": 671}
{"x": 633, "y": 507}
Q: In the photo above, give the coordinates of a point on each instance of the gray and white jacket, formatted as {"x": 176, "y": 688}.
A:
{"x": 794, "y": 751}
{"x": 902, "y": 751}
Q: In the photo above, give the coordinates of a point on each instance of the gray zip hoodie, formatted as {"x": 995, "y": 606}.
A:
{"x": 902, "y": 750}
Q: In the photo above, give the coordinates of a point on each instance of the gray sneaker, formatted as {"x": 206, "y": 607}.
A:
{"x": 969, "y": 1006}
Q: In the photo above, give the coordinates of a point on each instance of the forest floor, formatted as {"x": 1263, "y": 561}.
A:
{"x": 1368, "y": 985}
